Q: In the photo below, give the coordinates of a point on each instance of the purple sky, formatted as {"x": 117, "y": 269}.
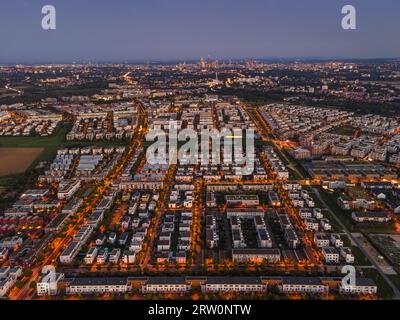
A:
{"x": 134, "y": 30}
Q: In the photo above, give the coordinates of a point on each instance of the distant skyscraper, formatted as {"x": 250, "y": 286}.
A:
{"x": 203, "y": 63}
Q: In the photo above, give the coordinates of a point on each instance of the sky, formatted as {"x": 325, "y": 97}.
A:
{"x": 162, "y": 30}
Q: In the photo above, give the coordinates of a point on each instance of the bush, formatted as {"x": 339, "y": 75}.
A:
{"x": 27, "y": 273}
{"x": 19, "y": 284}
{"x": 32, "y": 285}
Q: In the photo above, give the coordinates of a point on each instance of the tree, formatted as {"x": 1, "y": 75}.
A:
{"x": 28, "y": 273}
{"x": 32, "y": 285}
{"x": 19, "y": 284}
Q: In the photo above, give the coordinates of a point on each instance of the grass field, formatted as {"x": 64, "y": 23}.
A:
{"x": 395, "y": 279}
{"x": 331, "y": 200}
{"x": 35, "y": 142}
{"x": 384, "y": 290}
{"x": 17, "y": 160}
{"x": 55, "y": 141}
{"x": 343, "y": 131}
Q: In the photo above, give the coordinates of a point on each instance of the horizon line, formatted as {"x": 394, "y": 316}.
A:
{"x": 191, "y": 60}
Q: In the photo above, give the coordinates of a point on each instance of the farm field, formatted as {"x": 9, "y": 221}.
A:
{"x": 17, "y": 160}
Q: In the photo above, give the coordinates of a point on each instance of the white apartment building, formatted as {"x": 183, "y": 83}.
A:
{"x": 347, "y": 255}
{"x": 10, "y": 243}
{"x": 317, "y": 212}
{"x": 336, "y": 240}
{"x": 330, "y": 254}
{"x": 8, "y": 278}
{"x": 91, "y": 255}
{"x": 302, "y": 285}
{"x": 97, "y": 285}
{"x": 305, "y": 213}
{"x": 67, "y": 188}
{"x": 3, "y": 254}
{"x": 237, "y": 284}
{"x": 156, "y": 284}
{"x": 128, "y": 257}
{"x": 321, "y": 240}
{"x": 102, "y": 256}
{"x": 256, "y": 255}
{"x": 114, "y": 256}
{"x": 311, "y": 224}
{"x": 5, "y": 285}
{"x": 48, "y": 284}
{"x": 325, "y": 224}
{"x": 362, "y": 286}
{"x": 68, "y": 255}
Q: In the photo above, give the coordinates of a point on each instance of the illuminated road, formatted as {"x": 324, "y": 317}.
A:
{"x": 153, "y": 231}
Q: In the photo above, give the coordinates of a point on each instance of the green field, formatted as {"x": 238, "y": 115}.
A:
{"x": 385, "y": 291}
{"x": 360, "y": 258}
{"x": 343, "y": 131}
{"x": 395, "y": 279}
{"x": 331, "y": 200}
{"x": 36, "y": 142}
